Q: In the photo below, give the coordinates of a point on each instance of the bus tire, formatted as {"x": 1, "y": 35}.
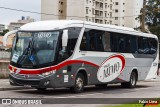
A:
{"x": 79, "y": 84}
{"x": 132, "y": 82}
{"x": 41, "y": 89}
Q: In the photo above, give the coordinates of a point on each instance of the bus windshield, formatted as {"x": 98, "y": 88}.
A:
{"x": 34, "y": 48}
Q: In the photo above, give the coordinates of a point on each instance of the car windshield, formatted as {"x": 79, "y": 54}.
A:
{"x": 34, "y": 48}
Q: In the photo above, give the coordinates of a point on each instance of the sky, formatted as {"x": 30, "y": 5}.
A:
{"x": 7, "y": 16}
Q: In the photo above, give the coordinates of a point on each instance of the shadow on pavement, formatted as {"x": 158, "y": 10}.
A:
{"x": 111, "y": 89}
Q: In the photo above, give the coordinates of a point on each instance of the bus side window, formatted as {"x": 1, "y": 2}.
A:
{"x": 143, "y": 45}
{"x": 84, "y": 42}
{"x": 106, "y": 42}
{"x": 153, "y": 46}
{"x": 113, "y": 42}
{"x": 140, "y": 45}
{"x": 121, "y": 44}
{"x": 92, "y": 40}
{"x": 133, "y": 43}
{"x": 73, "y": 34}
{"x": 128, "y": 45}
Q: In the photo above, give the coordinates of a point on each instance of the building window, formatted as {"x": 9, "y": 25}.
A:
{"x": 116, "y": 3}
{"x": 105, "y": 14}
{"x": 123, "y": 3}
{"x": 61, "y": 11}
{"x": 95, "y": 40}
{"x": 86, "y": 10}
{"x": 106, "y": 5}
{"x": 93, "y": 11}
{"x": 116, "y": 18}
{"x": 123, "y": 10}
{"x": 111, "y": 6}
{"x": 92, "y": 19}
{"x": 93, "y": 2}
{"x": 116, "y": 10}
{"x": 60, "y": 2}
{"x": 110, "y": 14}
{"x": 87, "y": 1}
{"x": 87, "y": 18}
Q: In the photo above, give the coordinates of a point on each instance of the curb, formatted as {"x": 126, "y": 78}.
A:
{"x": 15, "y": 88}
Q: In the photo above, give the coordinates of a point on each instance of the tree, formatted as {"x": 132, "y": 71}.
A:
{"x": 4, "y": 32}
{"x": 151, "y": 14}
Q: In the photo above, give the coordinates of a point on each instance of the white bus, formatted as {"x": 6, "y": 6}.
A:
{"x": 73, "y": 54}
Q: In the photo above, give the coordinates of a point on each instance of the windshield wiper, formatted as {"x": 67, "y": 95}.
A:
{"x": 28, "y": 54}
{"x": 26, "y": 51}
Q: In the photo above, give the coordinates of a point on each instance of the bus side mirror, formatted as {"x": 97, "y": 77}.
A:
{"x": 64, "y": 40}
{"x": 5, "y": 37}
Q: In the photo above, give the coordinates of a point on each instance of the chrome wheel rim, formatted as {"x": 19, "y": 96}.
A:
{"x": 133, "y": 80}
{"x": 79, "y": 83}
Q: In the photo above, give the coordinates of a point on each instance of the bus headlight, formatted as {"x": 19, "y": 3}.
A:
{"x": 49, "y": 73}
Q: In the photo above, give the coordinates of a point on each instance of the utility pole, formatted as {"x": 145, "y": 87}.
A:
{"x": 143, "y": 16}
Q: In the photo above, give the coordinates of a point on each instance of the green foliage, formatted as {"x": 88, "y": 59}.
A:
{"x": 132, "y": 105}
{"x": 152, "y": 16}
{"x": 4, "y": 32}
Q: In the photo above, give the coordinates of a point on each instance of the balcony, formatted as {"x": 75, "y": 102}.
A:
{"x": 98, "y": 16}
{"x": 98, "y": 8}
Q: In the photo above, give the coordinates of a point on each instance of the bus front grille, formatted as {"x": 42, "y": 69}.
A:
{"x": 28, "y": 82}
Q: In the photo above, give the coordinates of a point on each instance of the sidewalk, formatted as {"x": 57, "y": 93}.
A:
{"x": 5, "y": 85}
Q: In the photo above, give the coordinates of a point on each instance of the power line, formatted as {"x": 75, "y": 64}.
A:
{"x": 13, "y": 9}
{"x": 25, "y": 11}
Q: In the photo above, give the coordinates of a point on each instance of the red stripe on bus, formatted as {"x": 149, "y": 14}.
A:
{"x": 56, "y": 67}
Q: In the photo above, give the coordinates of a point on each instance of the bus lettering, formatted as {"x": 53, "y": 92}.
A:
{"x": 110, "y": 69}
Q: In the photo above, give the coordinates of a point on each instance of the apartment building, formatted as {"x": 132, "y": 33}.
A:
{"x": 19, "y": 23}
{"x": 115, "y": 12}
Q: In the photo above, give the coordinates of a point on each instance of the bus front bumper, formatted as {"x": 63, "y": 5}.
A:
{"x": 38, "y": 82}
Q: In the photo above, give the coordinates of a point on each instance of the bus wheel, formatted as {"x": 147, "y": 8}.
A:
{"x": 132, "y": 82}
{"x": 41, "y": 89}
{"x": 79, "y": 84}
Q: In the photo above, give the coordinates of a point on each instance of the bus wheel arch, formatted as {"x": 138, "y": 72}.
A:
{"x": 81, "y": 80}
{"x": 132, "y": 81}
{"x": 84, "y": 73}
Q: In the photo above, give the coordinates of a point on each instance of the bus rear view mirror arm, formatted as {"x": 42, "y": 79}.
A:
{"x": 64, "y": 40}
{"x": 6, "y": 36}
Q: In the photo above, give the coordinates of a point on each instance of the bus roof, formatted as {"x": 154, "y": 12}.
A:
{"x": 61, "y": 24}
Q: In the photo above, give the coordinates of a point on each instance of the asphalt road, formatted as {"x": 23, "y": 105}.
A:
{"x": 91, "y": 94}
